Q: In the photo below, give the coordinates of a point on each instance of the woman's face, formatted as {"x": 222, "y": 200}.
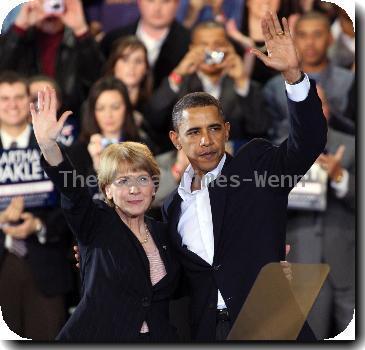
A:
{"x": 258, "y": 8}
{"x": 131, "y": 67}
{"x": 110, "y": 112}
{"x": 132, "y": 192}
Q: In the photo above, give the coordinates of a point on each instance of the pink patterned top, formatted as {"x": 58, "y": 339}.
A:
{"x": 157, "y": 272}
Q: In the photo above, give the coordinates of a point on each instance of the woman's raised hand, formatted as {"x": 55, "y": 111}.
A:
{"x": 44, "y": 118}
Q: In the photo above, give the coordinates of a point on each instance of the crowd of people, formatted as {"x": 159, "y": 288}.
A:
{"x": 121, "y": 67}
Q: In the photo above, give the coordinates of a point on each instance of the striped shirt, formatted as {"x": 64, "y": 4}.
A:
{"x": 157, "y": 272}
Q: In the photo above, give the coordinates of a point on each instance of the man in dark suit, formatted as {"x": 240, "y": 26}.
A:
{"x": 225, "y": 226}
{"x": 34, "y": 271}
{"x": 166, "y": 40}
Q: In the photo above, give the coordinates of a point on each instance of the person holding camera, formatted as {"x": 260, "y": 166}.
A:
{"x": 51, "y": 37}
{"x": 212, "y": 65}
{"x": 108, "y": 119}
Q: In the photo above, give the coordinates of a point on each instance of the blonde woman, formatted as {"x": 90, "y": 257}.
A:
{"x": 127, "y": 271}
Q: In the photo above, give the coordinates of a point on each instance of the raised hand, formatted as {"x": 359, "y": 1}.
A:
{"x": 46, "y": 126}
{"x": 74, "y": 17}
{"x": 282, "y": 53}
{"x": 30, "y": 13}
{"x": 191, "y": 61}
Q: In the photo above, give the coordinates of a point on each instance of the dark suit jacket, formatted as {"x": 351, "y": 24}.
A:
{"x": 172, "y": 51}
{"x": 117, "y": 294}
{"x": 249, "y": 221}
{"x": 48, "y": 262}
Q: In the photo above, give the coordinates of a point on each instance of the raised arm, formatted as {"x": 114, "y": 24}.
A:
{"x": 79, "y": 209}
{"x": 307, "y": 125}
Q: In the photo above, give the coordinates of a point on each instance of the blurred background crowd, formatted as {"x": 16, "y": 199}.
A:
{"x": 120, "y": 66}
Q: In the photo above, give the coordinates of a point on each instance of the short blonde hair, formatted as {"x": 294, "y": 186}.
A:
{"x": 126, "y": 156}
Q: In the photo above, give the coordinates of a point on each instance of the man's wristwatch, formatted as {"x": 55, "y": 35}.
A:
{"x": 302, "y": 77}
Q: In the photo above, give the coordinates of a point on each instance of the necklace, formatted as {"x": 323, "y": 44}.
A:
{"x": 147, "y": 235}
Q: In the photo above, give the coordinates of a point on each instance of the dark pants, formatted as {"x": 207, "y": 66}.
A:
{"x": 26, "y": 311}
{"x": 223, "y": 325}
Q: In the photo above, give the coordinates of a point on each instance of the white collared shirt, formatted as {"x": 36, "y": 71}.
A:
{"x": 153, "y": 46}
{"x": 195, "y": 224}
{"x": 22, "y": 140}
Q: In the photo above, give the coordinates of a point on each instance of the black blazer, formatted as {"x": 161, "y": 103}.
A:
{"x": 48, "y": 262}
{"x": 172, "y": 51}
{"x": 249, "y": 221}
{"x": 117, "y": 294}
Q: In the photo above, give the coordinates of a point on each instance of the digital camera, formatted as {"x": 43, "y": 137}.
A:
{"x": 214, "y": 57}
{"x": 54, "y": 6}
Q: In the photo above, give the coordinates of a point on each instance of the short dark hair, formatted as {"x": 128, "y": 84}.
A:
{"x": 314, "y": 15}
{"x": 195, "y": 99}
{"x": 11, "y": 77}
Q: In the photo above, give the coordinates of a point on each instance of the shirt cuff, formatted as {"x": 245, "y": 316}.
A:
{"x": 341, "y": 188}
{"x": 298, "y": 92}
{"x": 243, "y": 92}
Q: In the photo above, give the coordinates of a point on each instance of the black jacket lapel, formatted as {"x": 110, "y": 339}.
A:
{"x": 217, "y": 196}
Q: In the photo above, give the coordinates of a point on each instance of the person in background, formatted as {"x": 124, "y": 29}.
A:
{"x": 226, "y": 80}
{"x": 108, "y": 119}
{"x": 192, "y": 12}
{"x": 329, "y": 236}
{"x": 166, "y": 40}
{"x": 342, "y": 52}
{"x": 313, "y": 38}
{"x": 38, "y": 83}
{"x": 128, "y": 62}
{"x": 59, "y": 46}
{"x": 35, "y": 273}
{"x": 254, "y": 11}
{"x": 106, "y": 15}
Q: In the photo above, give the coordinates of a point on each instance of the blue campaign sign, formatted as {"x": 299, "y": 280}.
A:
{"x": 21, "y": 174}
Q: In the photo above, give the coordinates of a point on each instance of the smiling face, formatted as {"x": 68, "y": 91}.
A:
{"x": 202, "y": 134}
{"x": 132, "y": 192}
{"x": 131, "y": 67}
{"x": 14, "y": 104}
{"x": 110, "y": 112}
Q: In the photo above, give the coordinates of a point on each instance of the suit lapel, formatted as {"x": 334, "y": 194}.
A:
{"x": 217, "y": 196}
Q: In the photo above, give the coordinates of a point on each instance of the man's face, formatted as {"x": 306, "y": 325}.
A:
{"x": 159, "y": 14}
{"x": 212, "y": 39}
{"x": 313, "y": 38}
{"x": 14, "y": 104}
{"x": 202, "y": 135}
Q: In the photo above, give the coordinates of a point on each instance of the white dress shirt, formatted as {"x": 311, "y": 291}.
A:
{"x": 195, "y": 224}
{"x": 22, "y": 141}
{"x": 153, "y": 45}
